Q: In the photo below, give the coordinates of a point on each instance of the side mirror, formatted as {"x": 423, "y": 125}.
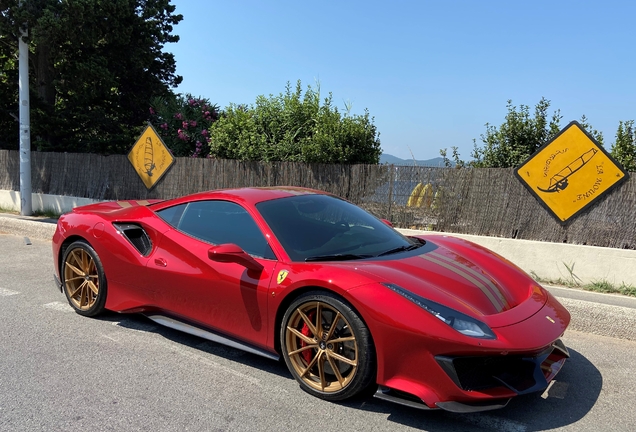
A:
{"x": 387, "y": 222}
{"x": 231, "y": 253}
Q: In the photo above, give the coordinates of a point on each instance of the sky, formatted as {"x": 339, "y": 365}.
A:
{"x": 431, "y": 73}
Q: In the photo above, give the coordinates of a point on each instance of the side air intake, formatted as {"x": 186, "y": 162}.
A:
{"x": 136, "y": 236}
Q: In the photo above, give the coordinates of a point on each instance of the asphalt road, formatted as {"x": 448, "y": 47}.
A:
{"x": 61, "y": 371}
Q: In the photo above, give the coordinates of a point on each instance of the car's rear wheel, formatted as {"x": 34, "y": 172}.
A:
{"x": 327, "y": 347}
{"x": 83, "y": 279}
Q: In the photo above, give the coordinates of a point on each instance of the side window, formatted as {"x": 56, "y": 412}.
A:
{"x": 172, "y": 215}
{"x": 220, "y": 222}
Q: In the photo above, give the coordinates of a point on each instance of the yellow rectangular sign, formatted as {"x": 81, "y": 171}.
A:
{"x": 150, "y": 157}
{"x": 570, "y": 172}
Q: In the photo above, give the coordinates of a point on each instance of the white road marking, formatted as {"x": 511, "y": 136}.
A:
{"x": 59, "y": 306}
{"x": 111, "y": 338}
{"x": 556, "y": 389}
{"x": 7, "y": 292}
{"x": 546, "y": 393}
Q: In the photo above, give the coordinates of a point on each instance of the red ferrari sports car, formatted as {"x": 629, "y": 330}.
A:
{"x": 350, "y": 304}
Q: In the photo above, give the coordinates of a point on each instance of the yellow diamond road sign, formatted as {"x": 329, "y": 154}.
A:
{"x": 150, "y": 157}
{"x": 570, "y": 173}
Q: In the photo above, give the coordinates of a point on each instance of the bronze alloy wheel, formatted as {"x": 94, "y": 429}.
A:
{"x": 322, "y": 349}
{"x": 83, "y": 279}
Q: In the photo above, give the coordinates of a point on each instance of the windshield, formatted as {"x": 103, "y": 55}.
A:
{"x": 322, "y": 228}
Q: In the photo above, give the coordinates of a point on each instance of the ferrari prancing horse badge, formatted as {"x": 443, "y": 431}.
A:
{"x": 282, "y": 275}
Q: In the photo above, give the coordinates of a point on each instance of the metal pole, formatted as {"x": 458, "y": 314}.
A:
{"x": 26, "y": 208}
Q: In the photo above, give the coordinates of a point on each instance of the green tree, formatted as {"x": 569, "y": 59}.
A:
{"x": 94, "y": 66}
{"x": 518, "y": 137}
{"x": 624, "y": 149}
{"x": 295, "y": 127}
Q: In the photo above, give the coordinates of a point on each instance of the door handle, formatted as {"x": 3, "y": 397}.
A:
{"x": 161, "y": 262}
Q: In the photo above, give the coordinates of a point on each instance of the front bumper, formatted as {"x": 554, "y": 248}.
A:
{"x": 516, "y": 373}
{"x": 405, "y": 399}
{"x": 521, "y": 374}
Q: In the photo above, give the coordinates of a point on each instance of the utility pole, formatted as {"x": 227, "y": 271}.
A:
{"x": 26, "y": 208}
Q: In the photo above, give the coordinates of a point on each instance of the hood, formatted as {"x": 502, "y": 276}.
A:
{"x": 463, "y": 276}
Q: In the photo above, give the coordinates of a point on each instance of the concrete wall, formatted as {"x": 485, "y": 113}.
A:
{"x": 551, "y": 261}
{"x": 10, "y": 200}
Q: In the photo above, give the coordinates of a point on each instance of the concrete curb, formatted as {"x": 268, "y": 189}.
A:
{"x": 601, "y": 319}
{"x": 39, "y": 228}
{"x": 602, "y": 314}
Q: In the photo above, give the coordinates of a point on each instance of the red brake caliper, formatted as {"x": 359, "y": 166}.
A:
{"x": 307, "y": 354}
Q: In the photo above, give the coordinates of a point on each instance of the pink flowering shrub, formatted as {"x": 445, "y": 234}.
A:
{"x": 183, "y": 123}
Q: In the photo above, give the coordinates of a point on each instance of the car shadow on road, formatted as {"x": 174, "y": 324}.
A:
{"x": 568, "y": 400}
{"x": 139, "y": 322}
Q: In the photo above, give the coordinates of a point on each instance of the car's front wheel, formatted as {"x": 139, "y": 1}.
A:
{"x": 83, "y": 279}
{"x": 327, "y": 347}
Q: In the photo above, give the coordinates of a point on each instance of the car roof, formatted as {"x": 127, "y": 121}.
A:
{"x": 249, "y": 195}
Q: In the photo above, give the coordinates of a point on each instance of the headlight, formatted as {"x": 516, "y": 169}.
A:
{"x": 461, "y": 322}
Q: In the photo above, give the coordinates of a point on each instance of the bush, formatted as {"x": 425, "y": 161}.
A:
{"x": 294, "y": 127}
{"x": 183, "y": 123}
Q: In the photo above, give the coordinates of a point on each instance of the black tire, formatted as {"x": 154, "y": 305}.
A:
{"x": 337, "y": 364}
{"x": 83, "y": 279}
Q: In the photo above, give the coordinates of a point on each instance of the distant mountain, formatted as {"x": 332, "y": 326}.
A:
{"x": 393, "y": 160}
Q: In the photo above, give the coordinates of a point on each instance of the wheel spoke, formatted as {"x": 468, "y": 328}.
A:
{"x": 93, "y": 287}
{"x": 311, "y": 364}
{"x": 343, "y": 339}
{"x": 304, "y": 338}
{"x": 333, "y": 326}
{"x": 321, "y": 370}
{"x": 85, "y": 263}
{"x": 77, "y": 259}
{"x": 78, "y": 289}
{"x": 75, "y": 269}
{"x": 335, "y": 369}
{"x": 311, "y": 326}
{"x": 343, "y": 359}
{"x": 88, "y": 296}
{"x": 83, "y": 295}
{"x": 73, "y": 278}
{"x": 305, "y": 348}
